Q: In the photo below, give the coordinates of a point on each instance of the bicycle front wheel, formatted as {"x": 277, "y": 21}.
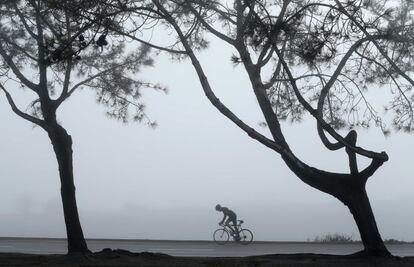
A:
{"x": 221, "y": 236}
{"x": 246, "y": 236}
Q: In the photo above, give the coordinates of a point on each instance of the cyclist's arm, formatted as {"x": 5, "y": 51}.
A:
{"x": 222, "y": 221}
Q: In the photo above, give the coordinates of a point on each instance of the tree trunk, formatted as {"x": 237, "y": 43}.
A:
{"x": 359, "y": 205}
{"x": 350, "y": 190}
{"x": 62, "y": 145}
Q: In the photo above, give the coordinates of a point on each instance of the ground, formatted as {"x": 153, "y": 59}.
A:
{"x": 115, "y": 258}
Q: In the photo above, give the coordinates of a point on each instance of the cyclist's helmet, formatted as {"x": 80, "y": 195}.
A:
{"x": 218, "y": 207}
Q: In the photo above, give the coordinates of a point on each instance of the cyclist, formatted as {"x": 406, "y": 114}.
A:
{"x": 231, "y": 217}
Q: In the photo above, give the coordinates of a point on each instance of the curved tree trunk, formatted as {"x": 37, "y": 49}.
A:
{"x": 350, "y": 190}
{"x": 359, "y": 205}
{"x": 62, "y": 145}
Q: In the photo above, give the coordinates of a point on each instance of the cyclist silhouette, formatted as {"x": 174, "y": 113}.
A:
{"x": 231, "y": 217}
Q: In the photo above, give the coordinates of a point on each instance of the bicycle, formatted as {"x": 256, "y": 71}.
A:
{"x": 222, "y": 235}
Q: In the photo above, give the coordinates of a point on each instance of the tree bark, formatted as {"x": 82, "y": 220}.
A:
{"x": 62, "y": 145}
{"x": 359, "y": 205}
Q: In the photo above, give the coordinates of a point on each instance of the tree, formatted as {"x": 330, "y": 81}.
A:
{"x": 51, "y": 51}
{"x": 323, "y": 57}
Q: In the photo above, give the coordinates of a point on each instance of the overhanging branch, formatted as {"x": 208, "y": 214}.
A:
{"x": 209, "y": 92}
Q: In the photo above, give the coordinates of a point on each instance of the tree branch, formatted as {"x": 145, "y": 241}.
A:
{"x": 210, "y": 28}
{"x": 370, "y": 154}
{"x": 15, "y": 45}
{"x": 260, "y": 92}
{"x": 373, "y": 40}
{"x": 165, "y": 49}
{"x": 18, "y": 111}
{"x": 16, "y": 71}
{"x": 326, "y": 88}
{"x": 69, "y": 62}
{"x": 63, "y": 97}
{"x": 371, "y": 169}
{"x": 209, "y": 92}
{"x": 22, "y": 18}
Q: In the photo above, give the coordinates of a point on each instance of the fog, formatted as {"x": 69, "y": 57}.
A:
{"x": 135, "y": 182}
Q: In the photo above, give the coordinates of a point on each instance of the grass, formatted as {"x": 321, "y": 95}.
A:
{"x": 334, "y": 238}
{"x": 344, "y": 238}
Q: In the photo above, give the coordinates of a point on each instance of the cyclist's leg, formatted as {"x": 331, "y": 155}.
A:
{"x": 236, "y": 230}
{"x": 229, "y": 224}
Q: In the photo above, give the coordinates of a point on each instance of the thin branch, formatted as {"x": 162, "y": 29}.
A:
{"x": 15, "y": 45}
{"x": 69, "y": 61}
{"x": 23, "y": 19}
{"x": 211, "y": 28}
{"x": 63, "y": 97}
{"x": 370, "y": 154}
{"x": 393, "y": 79}
{"x": 373, "y": 40}
{"x": 276, "y": 73}
{"x": 165, "y": 49}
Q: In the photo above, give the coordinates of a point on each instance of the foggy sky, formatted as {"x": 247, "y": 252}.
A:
{"x": 163, "y": 183}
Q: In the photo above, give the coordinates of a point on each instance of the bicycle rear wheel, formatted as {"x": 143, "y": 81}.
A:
{"x": 246, "y": 236}
{"x": 221, "y": 236}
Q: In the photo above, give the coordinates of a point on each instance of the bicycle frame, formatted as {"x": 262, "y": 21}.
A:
{"x": 222, "y": 235}
{"x": 229, "y": 228}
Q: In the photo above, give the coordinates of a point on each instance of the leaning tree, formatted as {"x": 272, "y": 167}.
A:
{"x": 48, "y": 52}
{"x": 312, "y": 57}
